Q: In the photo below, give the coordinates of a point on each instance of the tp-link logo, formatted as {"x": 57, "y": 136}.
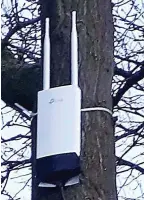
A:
{"x": 51, "y": 101}
{"x": 55, "y": 100}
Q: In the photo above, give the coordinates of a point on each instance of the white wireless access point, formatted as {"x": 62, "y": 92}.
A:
{"x": 59, "y": 121}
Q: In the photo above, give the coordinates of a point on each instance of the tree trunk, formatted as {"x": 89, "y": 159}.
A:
{"x": 95, "y": 35}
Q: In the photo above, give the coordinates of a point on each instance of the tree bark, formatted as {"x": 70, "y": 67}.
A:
{"x": 95, "y": 34}
{"x": 20, "y": 83}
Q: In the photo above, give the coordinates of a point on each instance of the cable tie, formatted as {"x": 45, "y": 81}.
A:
{"x": 97, "y": 109}
{"x": 34, "y": 114}
{"x": 87, "y": 110}
{"x": 24, "y": 110}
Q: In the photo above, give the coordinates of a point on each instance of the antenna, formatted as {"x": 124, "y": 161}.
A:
{"x": 46, "y": 64}
{"x": 74, "y": 51}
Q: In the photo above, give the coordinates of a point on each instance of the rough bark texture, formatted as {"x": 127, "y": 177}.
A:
{"x": 20, "y": 84}
{"x": 95, "y": 31}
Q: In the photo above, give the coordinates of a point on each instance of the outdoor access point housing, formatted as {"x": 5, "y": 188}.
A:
{"x": 58, "y": 126}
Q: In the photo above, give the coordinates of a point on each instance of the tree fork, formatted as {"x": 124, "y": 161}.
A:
{"x": 95, "y": 31}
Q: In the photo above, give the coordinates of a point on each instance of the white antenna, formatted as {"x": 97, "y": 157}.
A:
{"x": 46, "y": 64}
{"x": 74, "y": 51}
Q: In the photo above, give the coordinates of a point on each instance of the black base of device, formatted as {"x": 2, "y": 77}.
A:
{"x": 57, "y": 168}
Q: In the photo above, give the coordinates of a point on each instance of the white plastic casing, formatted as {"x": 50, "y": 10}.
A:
{"x": 59, "y": 119}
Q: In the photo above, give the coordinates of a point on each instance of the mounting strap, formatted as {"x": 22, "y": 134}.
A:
{"x": 97, "y": 109}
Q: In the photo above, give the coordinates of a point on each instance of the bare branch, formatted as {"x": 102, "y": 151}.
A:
{"x": 139, "y": 75}
{"x": 121, "y": 161}
{"x": 18, "y": 26}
